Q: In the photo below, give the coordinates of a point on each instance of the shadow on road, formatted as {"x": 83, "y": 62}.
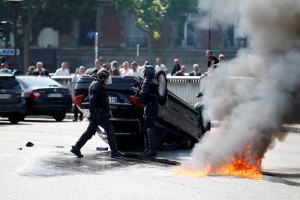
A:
{"x": 275, "y": 179}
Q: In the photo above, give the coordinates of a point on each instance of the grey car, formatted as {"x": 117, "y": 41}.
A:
{"x": 12, "y": 104}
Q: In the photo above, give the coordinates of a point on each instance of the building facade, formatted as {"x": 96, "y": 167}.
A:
{"x": 120, "y": 39}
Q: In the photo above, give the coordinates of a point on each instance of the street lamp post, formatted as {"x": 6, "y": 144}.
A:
{"x": 15, "y": 4}
{"x": 137, "y": 52}
{"x": 96, "y": 44}
{"x": 209, "y": 26}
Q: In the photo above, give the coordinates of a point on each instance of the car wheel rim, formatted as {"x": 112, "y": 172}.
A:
{"x": 162, "y": 85}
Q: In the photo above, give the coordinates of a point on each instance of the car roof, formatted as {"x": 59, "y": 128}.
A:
{"x": 7, "y": 75}
{"x": 38, "y": 81}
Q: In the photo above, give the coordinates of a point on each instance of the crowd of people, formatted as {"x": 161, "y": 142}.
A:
{"x": 178, "y": 69}
{"x": 126, "y": 68}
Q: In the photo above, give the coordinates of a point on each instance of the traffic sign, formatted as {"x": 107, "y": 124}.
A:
{"x": 9, "y": 52}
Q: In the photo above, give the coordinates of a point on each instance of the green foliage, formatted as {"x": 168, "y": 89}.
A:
{"x": 149, "y": 14}
{"x": 59, "y": 15}
{"x": 6, "y": 11}
{"x": 156, "y": 35}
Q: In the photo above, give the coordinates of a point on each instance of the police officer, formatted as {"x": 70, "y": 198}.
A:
{"x": 99, "y": 115}
{"x": 148, "y": 96}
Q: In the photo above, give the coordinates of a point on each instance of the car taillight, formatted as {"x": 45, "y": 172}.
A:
{"x": 34, "y": 94}
{"x": 78, "y": 100}
{"x": 135, "y": 101}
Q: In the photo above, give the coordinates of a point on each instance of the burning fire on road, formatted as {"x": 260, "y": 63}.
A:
{"x": 250, "y": 110}
{"x": 243, "y": 165}
{"x": 236, "y": 167}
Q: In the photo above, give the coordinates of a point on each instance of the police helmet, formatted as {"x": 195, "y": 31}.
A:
{"x": 102, "y": 73}
{"x": 149, "y": 71}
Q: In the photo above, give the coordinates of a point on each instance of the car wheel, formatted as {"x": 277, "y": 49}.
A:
{"x": 162, "y": 87}
{"x": 15, "y": 118}
{"x": 204, "y": 125}
{"x": 22, "y": 118}
{"x": 59, "y": 117}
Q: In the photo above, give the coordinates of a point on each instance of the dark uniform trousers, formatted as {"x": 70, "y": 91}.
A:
{"x": 100, "y": 118}
{"x": 150, "y": 112}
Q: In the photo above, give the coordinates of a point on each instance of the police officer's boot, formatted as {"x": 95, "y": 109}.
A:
{"x": 146, "y": 143}
{"x": 111, "y": 139}
{"x": 76, "y": 151}
{"x": 80, "y": 143}
{"x": 152, "y": 144}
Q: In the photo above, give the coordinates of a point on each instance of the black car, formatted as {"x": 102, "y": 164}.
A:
{"x": 177, "y": 122}
{"x": 12, "y": 104}
{"x": 44, "y": 96}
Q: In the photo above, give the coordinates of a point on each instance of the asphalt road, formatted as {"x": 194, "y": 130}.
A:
{"x": 47, "y": 170}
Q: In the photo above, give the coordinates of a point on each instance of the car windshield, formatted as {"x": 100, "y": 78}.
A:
{"x": 8, "y": 83}
{"x": 32, "y": 81}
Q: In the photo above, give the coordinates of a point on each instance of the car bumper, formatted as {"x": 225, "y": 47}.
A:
{"x": 47, "y": 109}
{"x": 15, "y": 108}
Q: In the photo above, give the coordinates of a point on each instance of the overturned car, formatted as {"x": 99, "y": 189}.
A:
{"x": 177, "y": 123}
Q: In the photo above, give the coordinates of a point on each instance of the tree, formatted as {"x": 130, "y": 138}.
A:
{"x": 38, "y": 14}
{"x": 150, "y": 15}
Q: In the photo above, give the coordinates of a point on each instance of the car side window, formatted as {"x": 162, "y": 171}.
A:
{"x": 8, "y": 83}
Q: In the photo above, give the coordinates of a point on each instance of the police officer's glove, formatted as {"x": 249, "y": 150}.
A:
{"x": 136, "y": 90}
{"x": 199, "y": 95}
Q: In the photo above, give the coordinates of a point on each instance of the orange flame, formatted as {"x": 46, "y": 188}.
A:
{"x": 238, "y": 167}
{"x": 245, "y": 163}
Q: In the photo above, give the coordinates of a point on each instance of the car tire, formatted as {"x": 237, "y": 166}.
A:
{"x": 162, "y": 87}
{"x": 15, "y": 118}
{"x": 22, "y": 118}
{"x": 59, "y": 117}
{"x": 204, "y": 125}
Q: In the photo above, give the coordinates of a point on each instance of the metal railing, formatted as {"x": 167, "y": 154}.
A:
{"x": 185, "y": 87}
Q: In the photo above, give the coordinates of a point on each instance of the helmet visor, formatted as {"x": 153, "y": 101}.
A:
{"x": 108, "y": 80}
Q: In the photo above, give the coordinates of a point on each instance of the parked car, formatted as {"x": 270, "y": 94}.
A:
{"x": 45, "y": 96}
{"x": 12, "y": 104}
{"x": 176, "y": 123}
